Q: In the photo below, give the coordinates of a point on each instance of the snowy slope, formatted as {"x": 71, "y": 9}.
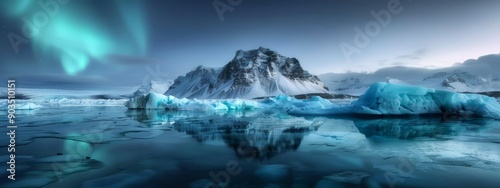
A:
{"x": 357, "y": 83}
{"x": 475, "y": 75}
{"x": 254, "y": 73}
{"x": 194, "y": 84}
{"x": 457, "y": 81}
{"x": 152, "y": 86}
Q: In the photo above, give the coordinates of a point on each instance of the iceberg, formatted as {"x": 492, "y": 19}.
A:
{"x": 158, "y": 101}
{"x": 397, "y": 99}
{"x": 29, "y": 106}
{"x": 380, "y": 99}
{"x": 35, "y": 104}
{"x": 20, "y": 105}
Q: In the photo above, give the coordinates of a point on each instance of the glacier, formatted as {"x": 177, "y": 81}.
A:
{"x": 380, "y": 99}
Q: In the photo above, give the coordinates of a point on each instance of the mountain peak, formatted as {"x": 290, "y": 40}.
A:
{"x": 201, "y": 67}
{"x": 252, "y": 73}
{"x": 254, "y": 52}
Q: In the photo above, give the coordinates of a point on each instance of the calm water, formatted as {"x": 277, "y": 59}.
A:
{"x": 116, "y": 147}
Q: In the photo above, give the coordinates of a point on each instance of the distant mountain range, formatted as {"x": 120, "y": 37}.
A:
{"x": 473, "y": 76}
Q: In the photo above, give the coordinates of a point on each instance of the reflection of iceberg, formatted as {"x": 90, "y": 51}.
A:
{"x": 408, "y": 128}
{"x": 264, "y": 136}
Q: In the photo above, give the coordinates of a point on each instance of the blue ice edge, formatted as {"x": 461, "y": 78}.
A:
{"x": 380, "y": 99}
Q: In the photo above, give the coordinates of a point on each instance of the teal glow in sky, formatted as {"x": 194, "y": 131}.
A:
{"x": 75, "y": 37}
{"x": 74, "y": 43}
{"x": 113, "y": 43}
{"x": 18, "y": 7}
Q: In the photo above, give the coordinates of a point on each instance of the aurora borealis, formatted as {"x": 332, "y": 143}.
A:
{"x": 80, "y": 44}
{"x": 72, "y": 36}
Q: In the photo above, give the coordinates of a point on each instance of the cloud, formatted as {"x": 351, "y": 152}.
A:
{"x": 421, "y": 52}
{"x": 493, "y": 59}
{"x": 382, "y": 62}
{"x": 59, "y": 81}
{"x": 406, "y": 58}
{"x": 129, "y": 59}
{"x": 399, "y": 63}
{"x": 416, "y": 55}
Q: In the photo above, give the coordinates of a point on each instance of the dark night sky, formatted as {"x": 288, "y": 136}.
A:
{"x": 112, "y": 44}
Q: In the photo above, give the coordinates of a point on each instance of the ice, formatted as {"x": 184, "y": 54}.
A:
{"x": 380, "y": 99}
{"x": 159, "y": 101}
{"x": 35, "y": 104}
{"x": 396, "y": 99}
{"x": 152, "y": 86}
{"x": 29, "y": 106}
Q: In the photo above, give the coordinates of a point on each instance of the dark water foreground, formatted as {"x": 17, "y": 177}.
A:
{"x": 116, "y": 147}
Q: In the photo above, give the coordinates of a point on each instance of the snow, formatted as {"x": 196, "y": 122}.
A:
{"x": 152, "y": 86}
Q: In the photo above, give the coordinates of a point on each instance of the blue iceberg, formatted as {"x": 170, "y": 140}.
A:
{"x": 158, "y": 101}
{"x": 396, "y": 99}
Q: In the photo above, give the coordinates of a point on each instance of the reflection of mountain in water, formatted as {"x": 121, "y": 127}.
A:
{"x": 250, "y": 137}
{"x": 408, "y": 128}
{"x": 260, "y": 134}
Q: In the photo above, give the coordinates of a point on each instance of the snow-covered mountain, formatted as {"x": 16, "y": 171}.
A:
{"x": 475, "y": 75}
{"x": 354, "y": 83}
{"x": 254, "y": 73}
{"x": 460, "y": 81}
